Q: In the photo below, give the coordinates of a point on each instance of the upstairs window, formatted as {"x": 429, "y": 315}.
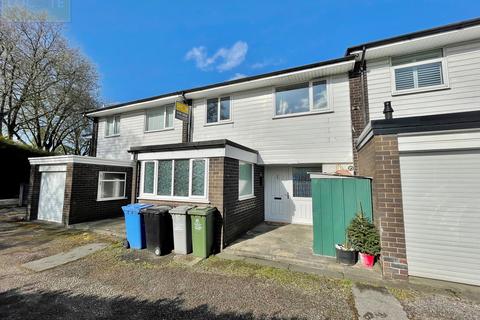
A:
{"x": 218, "y": 110}
{"x": 112, "y": 127}
{"x": 159, "y": 118}
{"x": 418, "y": 72}
{"x": 307, "y": 97}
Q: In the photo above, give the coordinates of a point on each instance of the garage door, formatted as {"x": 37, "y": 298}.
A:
{"x": 441, "y": 200}
{"x": 52, "y": 190}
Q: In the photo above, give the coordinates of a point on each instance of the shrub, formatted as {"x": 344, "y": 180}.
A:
{"x": 363, "y": 235}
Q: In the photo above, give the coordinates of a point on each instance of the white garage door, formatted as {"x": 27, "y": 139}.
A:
{"x": 441, "y": 201}
{"x": 52, "y": 190}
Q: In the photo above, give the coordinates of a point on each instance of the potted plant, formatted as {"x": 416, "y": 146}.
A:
{"x": 364, "y": 237}
{"x": 345, "y": 253}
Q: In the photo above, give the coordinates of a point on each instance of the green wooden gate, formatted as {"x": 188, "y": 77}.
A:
{"x": 336, "y": 200}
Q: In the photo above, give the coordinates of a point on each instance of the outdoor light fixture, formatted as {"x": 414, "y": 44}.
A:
{"x": 388, "y": 110}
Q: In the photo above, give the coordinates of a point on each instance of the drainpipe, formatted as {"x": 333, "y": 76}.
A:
{"x": 363, "y": 69}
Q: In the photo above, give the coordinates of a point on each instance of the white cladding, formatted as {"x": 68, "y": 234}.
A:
{"x": 463, "y": 69}
{"x": 313, "y": 138}
{"x": 132, "y": 126}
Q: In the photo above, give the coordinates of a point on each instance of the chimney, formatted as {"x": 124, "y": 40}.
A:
{"x": 387, "y": 110}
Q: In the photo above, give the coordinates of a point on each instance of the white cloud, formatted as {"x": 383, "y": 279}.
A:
{"x": 238, "y": 76}
{"x": 224, "y": 59}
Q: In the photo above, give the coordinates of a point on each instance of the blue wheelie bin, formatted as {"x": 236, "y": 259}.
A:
{"x": 134, "y": 225}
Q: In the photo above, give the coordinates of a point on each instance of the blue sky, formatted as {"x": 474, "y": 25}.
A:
{"x": 145, "y": 48}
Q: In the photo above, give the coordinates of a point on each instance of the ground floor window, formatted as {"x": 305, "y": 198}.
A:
{"x": 245, "y": 180}
{"x": 179, "y": 178}
{"x": 301, "y": 181}
{"x": 111, "y": 185}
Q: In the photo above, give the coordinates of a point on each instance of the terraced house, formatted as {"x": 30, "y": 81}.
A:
{"x": 404, "y": 111}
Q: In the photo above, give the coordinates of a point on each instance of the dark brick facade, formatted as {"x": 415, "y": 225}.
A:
{"x": 234, "y": 217}
{"x": 379, "y": 159}
{"x": 80, "y": 198}
{"x": 359, "y": 106}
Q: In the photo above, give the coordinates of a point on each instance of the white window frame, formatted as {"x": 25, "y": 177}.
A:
{"x": 247, "y": 196}
{"x": 116, "y": 126}
{"x": 445, "y": 85}
{"x": 218, "y": 111}
{"x": 165, "y": 128}
{"x": 171, "y": 197}
{"x": 312, "y": 111}
{"x": 99, "y": 186}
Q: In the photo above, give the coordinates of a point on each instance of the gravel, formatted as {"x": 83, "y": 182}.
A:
{"x": 123, "y": 284}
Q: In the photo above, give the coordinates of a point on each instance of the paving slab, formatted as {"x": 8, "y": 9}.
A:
{"x": 377, "y": 303}
{"x": 110, "y": 227}
{"x": 64, "y": 257}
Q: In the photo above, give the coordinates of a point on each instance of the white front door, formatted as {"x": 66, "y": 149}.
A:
{"x": 280, "y": 203}
{"x": 52, "y": 190}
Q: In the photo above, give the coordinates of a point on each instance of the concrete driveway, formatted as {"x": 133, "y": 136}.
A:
{"x": 116, "y": 283}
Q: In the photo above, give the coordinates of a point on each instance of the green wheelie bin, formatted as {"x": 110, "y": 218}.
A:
{"x": 202, "y": 230}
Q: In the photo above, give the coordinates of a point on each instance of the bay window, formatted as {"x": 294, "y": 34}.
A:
{"x": 175, "y": 179}
{"x": 245, "y": 180}
{"x": 301, "y": 98}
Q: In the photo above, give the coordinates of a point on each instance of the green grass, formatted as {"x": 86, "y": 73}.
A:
{"x": 304, "y": 281}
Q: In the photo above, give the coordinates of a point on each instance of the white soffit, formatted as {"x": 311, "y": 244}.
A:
{"x": 422, "y": 44}
{"x": 280, "y": 79}
{"x": 79, "y": 159}
{"x": 228, "y": 151}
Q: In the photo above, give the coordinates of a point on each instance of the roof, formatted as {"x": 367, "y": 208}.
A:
{"x": 429, "y": 123}
{"x": 209, "y": 144}
{"x": 180, "y": 93}
{"x": 414, "y": 35}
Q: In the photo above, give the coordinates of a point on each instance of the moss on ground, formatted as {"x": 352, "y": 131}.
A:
{"x": 284, "y": 277}
{"x": 403, "y": 294}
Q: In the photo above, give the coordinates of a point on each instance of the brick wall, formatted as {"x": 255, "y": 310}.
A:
{"x": 359, "y": 106}
{"x": 241, "y": 215}
{"x": 81, "y": 190}
{"x": 379, "y": 158}
{"x": 33, "y": 193}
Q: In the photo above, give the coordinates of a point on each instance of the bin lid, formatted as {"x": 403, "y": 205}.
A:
{"x": 156, "y": 209}
{"x": 181, "y": 209}
{"x": 202, "y": 211}
{"x": 136, "y": 206}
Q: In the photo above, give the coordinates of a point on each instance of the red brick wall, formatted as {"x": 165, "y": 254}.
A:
{"x": 379, "y": 159}
{"x": 359, "y": 107}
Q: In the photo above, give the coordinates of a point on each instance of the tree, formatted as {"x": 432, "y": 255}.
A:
{"x": 45, "y": 86}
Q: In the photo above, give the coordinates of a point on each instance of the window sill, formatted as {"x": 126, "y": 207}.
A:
{"x": 416, "y": 90}
{"x": 217, "y": 123}
{"x": 111, "y": 199}
{"x": 246, "y": 197}
{"x": 173, "y": 199}
{"x": 159, "y": 130}
{"x": 113, "y": 136}
{"x": 301, "y": 114}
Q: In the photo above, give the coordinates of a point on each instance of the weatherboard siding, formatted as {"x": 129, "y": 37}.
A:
{"x": 315, "y": 138}
{"x": 463, "y": 68}
{"x": 132, "y": 134}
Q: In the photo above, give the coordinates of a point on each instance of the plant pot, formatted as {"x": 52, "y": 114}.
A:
{"x": 367, "y": 260}
{"x": 348, "y": 257}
